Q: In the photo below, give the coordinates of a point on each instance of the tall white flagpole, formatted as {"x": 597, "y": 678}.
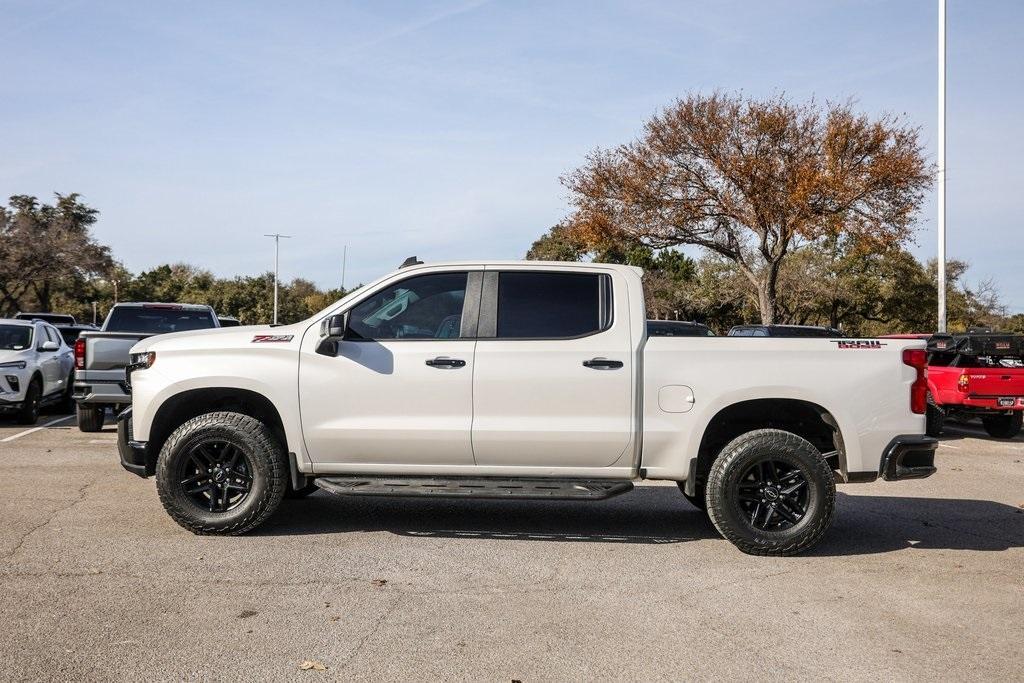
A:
{"x": 942, "y": 166}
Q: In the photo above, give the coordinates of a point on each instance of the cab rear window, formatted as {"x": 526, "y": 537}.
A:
{"x": 157, "y": 320}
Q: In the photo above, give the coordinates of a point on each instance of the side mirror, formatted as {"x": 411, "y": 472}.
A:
{"x": 49, "y": 346}
{"x": 332, "y": 331}
{"x": 334, "y": 327}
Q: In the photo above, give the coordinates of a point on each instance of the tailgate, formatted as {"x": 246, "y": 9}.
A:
{"x": 994, "y": 382}
{"x": 107, "y": 352}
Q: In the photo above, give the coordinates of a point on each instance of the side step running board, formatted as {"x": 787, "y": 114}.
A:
{"x": 475, "y": 487}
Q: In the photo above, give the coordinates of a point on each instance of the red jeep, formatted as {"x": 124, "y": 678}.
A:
{"x": 977, "y": 374}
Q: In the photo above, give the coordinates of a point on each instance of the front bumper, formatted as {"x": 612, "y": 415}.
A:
{"x": 135, "y": 455}
{"x": 909, "y": 457}
{"x": 10, "y": 406}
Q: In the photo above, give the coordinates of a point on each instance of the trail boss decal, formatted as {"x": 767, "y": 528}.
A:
{"x": 859, "y": 343}
{"x": 271, "y": 338}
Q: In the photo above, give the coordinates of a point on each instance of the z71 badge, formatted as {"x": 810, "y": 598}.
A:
{"x": 859, "y": 343}
{"x": 271, "y": 338}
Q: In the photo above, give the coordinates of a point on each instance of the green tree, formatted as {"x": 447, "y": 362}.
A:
{"x": 47, "y": 252}
{"x": 752, "y": 181}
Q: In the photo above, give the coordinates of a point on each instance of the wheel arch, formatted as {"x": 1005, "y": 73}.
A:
{"x": 801, "y": 417}
{"x": 183, "y": 406}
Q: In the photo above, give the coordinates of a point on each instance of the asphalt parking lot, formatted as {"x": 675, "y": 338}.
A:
{"x": 916, "y": 580}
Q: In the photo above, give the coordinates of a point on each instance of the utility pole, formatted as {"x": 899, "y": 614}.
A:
{"x": 277, "y": 253}
{"x": 942, "y": 166}
{"x": 344, "y": 257}
{"x": 94, "y": 312}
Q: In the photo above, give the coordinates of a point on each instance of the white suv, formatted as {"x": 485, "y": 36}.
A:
{"x": 36, "y": 368}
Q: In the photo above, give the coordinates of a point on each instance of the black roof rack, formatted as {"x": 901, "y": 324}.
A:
{"x": 411, "y": 261}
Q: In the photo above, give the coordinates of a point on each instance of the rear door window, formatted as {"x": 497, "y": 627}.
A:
{"x": 537, "y": 305}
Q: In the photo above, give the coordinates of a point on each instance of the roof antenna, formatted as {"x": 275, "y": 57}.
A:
{"x": 411, "y": 261}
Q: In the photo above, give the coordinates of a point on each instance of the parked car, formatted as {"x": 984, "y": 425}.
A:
{"x": 36, "y": 368}
{"x": 102, "y": 356}
{"x": 977, "y": 374}
{"x": 518, "y": 380}
{"x": 70, "y": 333}
{"x": 784, "y": 331}
{"x": 52, "y": 318}
{"x": 677, "y": 328}
{"x": 228, "y": 321}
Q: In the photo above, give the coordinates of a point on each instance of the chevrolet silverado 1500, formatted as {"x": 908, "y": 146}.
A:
{"x": 514, "y": 380}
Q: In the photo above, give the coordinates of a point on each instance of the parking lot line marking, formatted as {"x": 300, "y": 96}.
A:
{"x": 35, "y": 429}
{"x": 955, "y": 448}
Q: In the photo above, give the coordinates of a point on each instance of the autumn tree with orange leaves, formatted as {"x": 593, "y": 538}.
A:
{"x": 753, "y": 181}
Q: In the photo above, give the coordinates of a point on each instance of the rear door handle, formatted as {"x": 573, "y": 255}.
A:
{"x": 446, "y": 362}
{"x": 602, "y": 364}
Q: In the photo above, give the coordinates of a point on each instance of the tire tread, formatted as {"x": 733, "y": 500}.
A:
{"x": 772, "y": 439}
{"x": 277, "y": 479}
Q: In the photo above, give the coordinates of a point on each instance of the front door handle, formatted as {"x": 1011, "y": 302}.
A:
{"x": 602, "y": 363}
{"x": 446, "y": 363}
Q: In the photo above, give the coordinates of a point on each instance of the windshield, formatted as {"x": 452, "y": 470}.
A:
{"x": 15, "y": 337}
{"x": 157, "y": 320}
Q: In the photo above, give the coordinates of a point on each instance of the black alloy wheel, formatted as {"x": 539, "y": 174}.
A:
{"x": 771, "y": 492}
{"x": 773, "y": 495}
{"x": 221, "y": 473}
{"x": 216, "y": 475}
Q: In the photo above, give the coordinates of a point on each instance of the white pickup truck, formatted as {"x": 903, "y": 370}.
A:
{"x": 527, "y": 380}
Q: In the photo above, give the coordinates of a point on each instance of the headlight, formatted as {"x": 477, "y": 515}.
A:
{"x": 141, "y": 361}
{"x": 18, "y": 364}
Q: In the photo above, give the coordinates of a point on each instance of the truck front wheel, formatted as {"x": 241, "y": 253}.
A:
{"x": 221, "y": 473}
{"x": 1003, "y": 426}
{"x": 771, "y": 492}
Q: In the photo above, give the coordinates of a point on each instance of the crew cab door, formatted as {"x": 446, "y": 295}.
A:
{"x": 553, "y": 383}
{"x": 397, "y": 390}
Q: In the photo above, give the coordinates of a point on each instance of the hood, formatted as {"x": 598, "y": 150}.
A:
{"x": 217, "y": 337}
{"x": 7, "y": 355}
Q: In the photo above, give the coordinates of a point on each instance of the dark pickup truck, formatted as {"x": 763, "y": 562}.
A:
{"x": 102, "y": 356}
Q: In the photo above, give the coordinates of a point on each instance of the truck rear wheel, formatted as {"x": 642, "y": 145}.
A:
{"x": 1003, "y": 426}
{"x": 771, "y": 492}
{"x": 90, "y": 418}
{"x": 221, "y": 473}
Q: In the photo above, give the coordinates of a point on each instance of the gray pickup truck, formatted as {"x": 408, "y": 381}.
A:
{"x": 102, "y": 356}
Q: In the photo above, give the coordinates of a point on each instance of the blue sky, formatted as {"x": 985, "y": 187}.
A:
{"x": 441, "y": 128}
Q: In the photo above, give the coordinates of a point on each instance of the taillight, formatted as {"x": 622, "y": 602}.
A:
{"x": 964, "y": 383}
{"x": 917, "y": 359}
{"x": 79, "y": 354}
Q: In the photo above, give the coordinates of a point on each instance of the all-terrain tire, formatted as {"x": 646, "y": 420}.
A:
{"x": 724, "y": 498}
{"x": 698, "y": 501}
{"x": 265, "y": 462}
{"x": 28, "y": 414}
{"x": 90, "y": 418}
{"x": 935, "y": 420}
{"x": 1003, "y": 426}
